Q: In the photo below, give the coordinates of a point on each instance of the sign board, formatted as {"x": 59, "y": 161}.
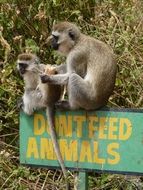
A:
{"x": 104, "y": 140}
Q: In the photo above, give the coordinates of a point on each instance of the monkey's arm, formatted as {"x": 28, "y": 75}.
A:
{"x": 59, "y": 79}
{"x": 61, "y": 69}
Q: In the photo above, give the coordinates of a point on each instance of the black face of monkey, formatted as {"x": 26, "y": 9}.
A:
{"x": 63, "y": 40}
{"x": 54, "y": 42}
{"x": 22, "y": 68}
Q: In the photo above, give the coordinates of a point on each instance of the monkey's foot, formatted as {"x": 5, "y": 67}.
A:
{"x": 62, "y": 105}
{"x": 45, "y": 78}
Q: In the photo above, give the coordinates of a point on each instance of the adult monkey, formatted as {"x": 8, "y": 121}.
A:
{"x": 91, "y": 68}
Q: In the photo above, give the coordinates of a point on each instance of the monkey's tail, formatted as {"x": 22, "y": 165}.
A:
{"x": 50, "y": 113}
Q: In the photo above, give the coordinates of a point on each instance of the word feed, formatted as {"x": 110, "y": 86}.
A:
{"x": 96, "y": 140}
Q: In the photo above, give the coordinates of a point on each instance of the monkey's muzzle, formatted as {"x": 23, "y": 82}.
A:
{"x": 54, "y": 42}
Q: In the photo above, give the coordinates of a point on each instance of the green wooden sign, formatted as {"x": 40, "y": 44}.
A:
{"x": 104, "y": 140}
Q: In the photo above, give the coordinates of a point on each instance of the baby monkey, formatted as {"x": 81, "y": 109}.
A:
{"x": 38, "y": 95}
{"x": 29, "y": 68}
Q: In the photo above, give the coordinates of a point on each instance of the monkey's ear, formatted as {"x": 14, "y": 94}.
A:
{"x": 72, "y": 34}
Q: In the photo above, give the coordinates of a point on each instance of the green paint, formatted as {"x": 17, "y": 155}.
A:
{"x": 82, "y": 181}
{"x": 95, "y": 140}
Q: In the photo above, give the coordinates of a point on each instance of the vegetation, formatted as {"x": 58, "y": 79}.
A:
{"x": 25, "y": 25}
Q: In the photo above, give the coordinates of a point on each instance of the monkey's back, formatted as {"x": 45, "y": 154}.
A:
{"x": 103, "y": 68}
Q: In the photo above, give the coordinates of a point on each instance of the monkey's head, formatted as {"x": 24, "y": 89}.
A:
{"x": 26, "y": 62}
{"x": 64, "y": 37}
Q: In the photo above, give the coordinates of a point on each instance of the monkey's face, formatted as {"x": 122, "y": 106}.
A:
{"x": 22, "y": 67}
{"x": 63, "y": 41}
{"x": 27, "y": 63}
{"x": 64, "y": 36}
{"x": 26, "y": 67}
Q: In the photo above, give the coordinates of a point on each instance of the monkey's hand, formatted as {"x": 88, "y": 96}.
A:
{"x": 45, "y": 78}
{"x": 59, "y": 79}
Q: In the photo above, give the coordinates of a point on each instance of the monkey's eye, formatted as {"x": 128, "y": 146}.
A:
{"x": 72, "y": 35}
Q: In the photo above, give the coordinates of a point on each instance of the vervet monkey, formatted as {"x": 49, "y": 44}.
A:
{"x": 91, "y": 68}
{"x": 38, "y": 95}
{"x": 29, "y": 68}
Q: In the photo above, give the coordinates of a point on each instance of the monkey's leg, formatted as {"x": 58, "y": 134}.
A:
{"x": 80, "y": 93}
{"x": 28, "y": 106}
{"x": 32, "y": 100}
